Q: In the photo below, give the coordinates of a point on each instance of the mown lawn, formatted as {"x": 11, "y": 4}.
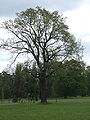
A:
{"x": 64, "y": 109}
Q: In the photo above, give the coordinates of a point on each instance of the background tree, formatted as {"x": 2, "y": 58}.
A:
{"x": 31, "y": 81}
{"x": 69, "y": 79}
{"x": 75, "y": 78}
{"x": 45, "y": 36}
{"x": 2, "y": 86}
{"x": 5, "y": 85}
{"x": 88, "y": 79}
{"x": 58, "y": 78}
{"x": 18, "y": 84}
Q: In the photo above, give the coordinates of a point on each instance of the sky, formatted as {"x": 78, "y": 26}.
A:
{"x": 76, "y": 11}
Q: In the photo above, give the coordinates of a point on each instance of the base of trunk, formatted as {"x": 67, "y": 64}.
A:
{"x": 43, "y": 101}
{"x": 43, "y": 95}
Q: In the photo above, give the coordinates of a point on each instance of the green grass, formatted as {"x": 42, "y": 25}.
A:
{"x": 64, "y": 109}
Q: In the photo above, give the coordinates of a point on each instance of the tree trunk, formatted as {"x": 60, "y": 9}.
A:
{"x": 43, "y": 88}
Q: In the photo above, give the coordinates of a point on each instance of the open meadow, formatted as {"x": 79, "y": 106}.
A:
{"x": 64, "y": 109}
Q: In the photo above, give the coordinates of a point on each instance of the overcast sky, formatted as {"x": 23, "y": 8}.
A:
{"x": 76, "y": 11}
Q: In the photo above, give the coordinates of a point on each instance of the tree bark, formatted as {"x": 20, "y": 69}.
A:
{"x": 43, "y": 88}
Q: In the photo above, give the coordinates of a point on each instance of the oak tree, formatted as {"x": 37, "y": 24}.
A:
{"x": 45, "y": 36}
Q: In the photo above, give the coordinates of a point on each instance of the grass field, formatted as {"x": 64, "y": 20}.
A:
{"x": 64, "y": 109}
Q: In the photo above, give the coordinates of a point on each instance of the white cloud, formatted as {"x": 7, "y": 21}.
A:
{"x": 79, "y": 20}
{"x": 4, "y": 60}
{"x": 4, "y": 55}
{"x": 79, "y": 25}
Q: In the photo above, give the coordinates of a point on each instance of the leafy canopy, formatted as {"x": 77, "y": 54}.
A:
{"x": 42, "y": 34}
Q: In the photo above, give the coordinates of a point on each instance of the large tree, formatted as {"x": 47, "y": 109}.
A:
{"x": 45, "y": 36}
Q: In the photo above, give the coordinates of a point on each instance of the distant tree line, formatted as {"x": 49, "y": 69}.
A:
{"x": 71, "y": 78}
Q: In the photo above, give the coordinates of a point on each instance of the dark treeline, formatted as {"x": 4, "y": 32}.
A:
{"x": 71, "y": 78}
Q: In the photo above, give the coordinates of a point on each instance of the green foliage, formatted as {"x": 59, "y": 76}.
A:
{"x": 18, "y": 83}
{"x": 32, "y": 83}
{"x": 24, "y": 83}
{"x": 5, "y": 85}
{"x": 88, "y": 79}
{"x": 70, "y": 79}
{"x": 65, "y": 78}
